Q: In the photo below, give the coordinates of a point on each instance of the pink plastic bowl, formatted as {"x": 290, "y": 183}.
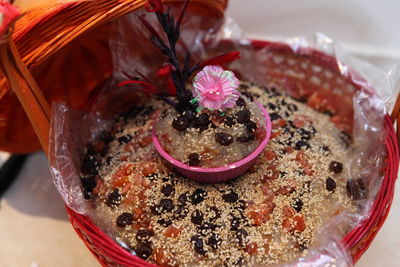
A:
{"x": 218, "y": 174}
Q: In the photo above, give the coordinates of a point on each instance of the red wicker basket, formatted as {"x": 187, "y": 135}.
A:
{"x": 107, "y": 251}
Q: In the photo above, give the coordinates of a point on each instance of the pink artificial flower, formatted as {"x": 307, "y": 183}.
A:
{"x": 8, "y": 14}
{"x": 216, "y": 88}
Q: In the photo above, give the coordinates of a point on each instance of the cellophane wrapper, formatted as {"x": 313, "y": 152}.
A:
{"x": 364, "y": 107}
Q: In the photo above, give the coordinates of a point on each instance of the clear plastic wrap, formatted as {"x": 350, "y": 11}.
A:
{"x": 360, "y": 111}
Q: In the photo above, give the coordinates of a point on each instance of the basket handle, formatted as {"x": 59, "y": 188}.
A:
{"x": 395, "y": 116}
{"x": 26, "y": 89}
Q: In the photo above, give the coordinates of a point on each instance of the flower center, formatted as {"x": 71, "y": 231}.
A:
{"x": 214, "y": 94}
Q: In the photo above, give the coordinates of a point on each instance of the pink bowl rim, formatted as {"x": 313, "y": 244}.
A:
{"x": 231, "y": 166}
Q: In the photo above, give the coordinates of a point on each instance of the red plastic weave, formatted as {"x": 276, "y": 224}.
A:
{"x": 109, "y": 253}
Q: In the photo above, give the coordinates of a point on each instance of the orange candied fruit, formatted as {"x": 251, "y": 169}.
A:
{"x": 252, "y": 248}
{"x": 270, "y": 155}
{"x": 172, "y": 231}
{"x": 149, "y": 169}
{"x": 161, "y": 257}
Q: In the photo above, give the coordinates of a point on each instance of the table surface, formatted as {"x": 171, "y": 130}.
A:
{"x": 35, "y": 230}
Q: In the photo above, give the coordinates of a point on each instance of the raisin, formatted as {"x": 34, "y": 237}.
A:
{"x": 168, "y": 190}
{"x": 125, "y": 219}
{"x": 166, "y": 205}
{"x": 242, "y": 235}
{"x": 214, "y": 241}
{"x": 251, "y": 126}
{"x": 234, "y": 222}
{"x": 215, "y": 213}
{"x": 241, "y": 102}
{"x": 271, "y": 106}
{"x": 183, "y": 198}
{"x": 300, "y": 144}
{"x": 231, "y": 197}
{"x": 330, "y": 185}
{"x": 197, "y": 217}
{"x": 298, "y": 205}
{"x": 164, "y": 222}
{"x": 243, "y": 115}
{"x": 181, "y": 123}
{"x": 194, "y": 159}
{"x": 88, "y": 184}
{"x": 114, "y": 198}
{"x": 223, "y": 139}
{"x": 274, "y": 116}
{"x": 230, "y": 121}
{"x": 336, "y": 167}
{"x": 144, "y": 250}
{"x": 89, "y": 166}
{"x": 198, "y": 196}
{"x": 326, "y": 150}
{"x": 292, "y": 107}
{"x": 246, "y": 138}
{"x": 143, "y": 235}
{"x": 249, "y": 96}
{"x": 202, "y": 121}
{"x": 198, "y": 244}
{"x": 356, "y": 189}
{"x": 124, "y": 139}
{"x": 180, "y": 212}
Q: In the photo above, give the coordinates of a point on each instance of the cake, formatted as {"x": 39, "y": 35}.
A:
{"x": 271, "y": 214}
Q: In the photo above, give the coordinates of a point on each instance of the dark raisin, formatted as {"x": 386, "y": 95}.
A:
{"x": 190, "y": 115}
{"x": 215, "y": 213}
{"x": 300, "y": 144}
{"x": 183, "y": 198}
{"x": 271, "y": 106}
{"x": 235, "y": 223}
{"x": 144, "y": 235}
{"x": 292, "y": 107}
{"x": 114, "y": 198}
{"x": 88, "y": 184}
{"x": 251, "y": 126}
{"x": 181, "y": 212}
{"x": 202, "y": 120}
{"x": 164, "y": 222}
{"x": 248, "y": 95}
{"x": 214, "y": 241}
{"x": 125, "y": 219}
{"x": 282, "y": 174}
{"x": 246, "y": 138}
{"x": 223, "y": 139}
{"x": 241, "y": 102}
{"x": 274, "y": 116}
{"x": 302, "y": 246}
{"x": 243, "y": 86}
{"x": 198, "y": 244}
{"x": 194, "y": 159}
{"x": 168, "y": 190}
{"x": 144, "y": 250}
{"x": 89, "y": 166}
{"x": 356, "y": 189}
{"x": 330, "y": 185}
{"x": 298, "y": 205}
{"x": 181, "y": 123}
{"x": 326, "y": 151}
{"x": 197, "y": 217}
{"x": 230, "y": 197}
{"x": 230, "y": 121}
{"x": 242, "y": 235}
{"x": 336, "y": 167}
{"x": 198, "y": 196}
{"x": 305, "y": 135}
{"x": 243, "y": 115}
{"x": 124, "y": 139}
{"x": 166, "y": 205}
